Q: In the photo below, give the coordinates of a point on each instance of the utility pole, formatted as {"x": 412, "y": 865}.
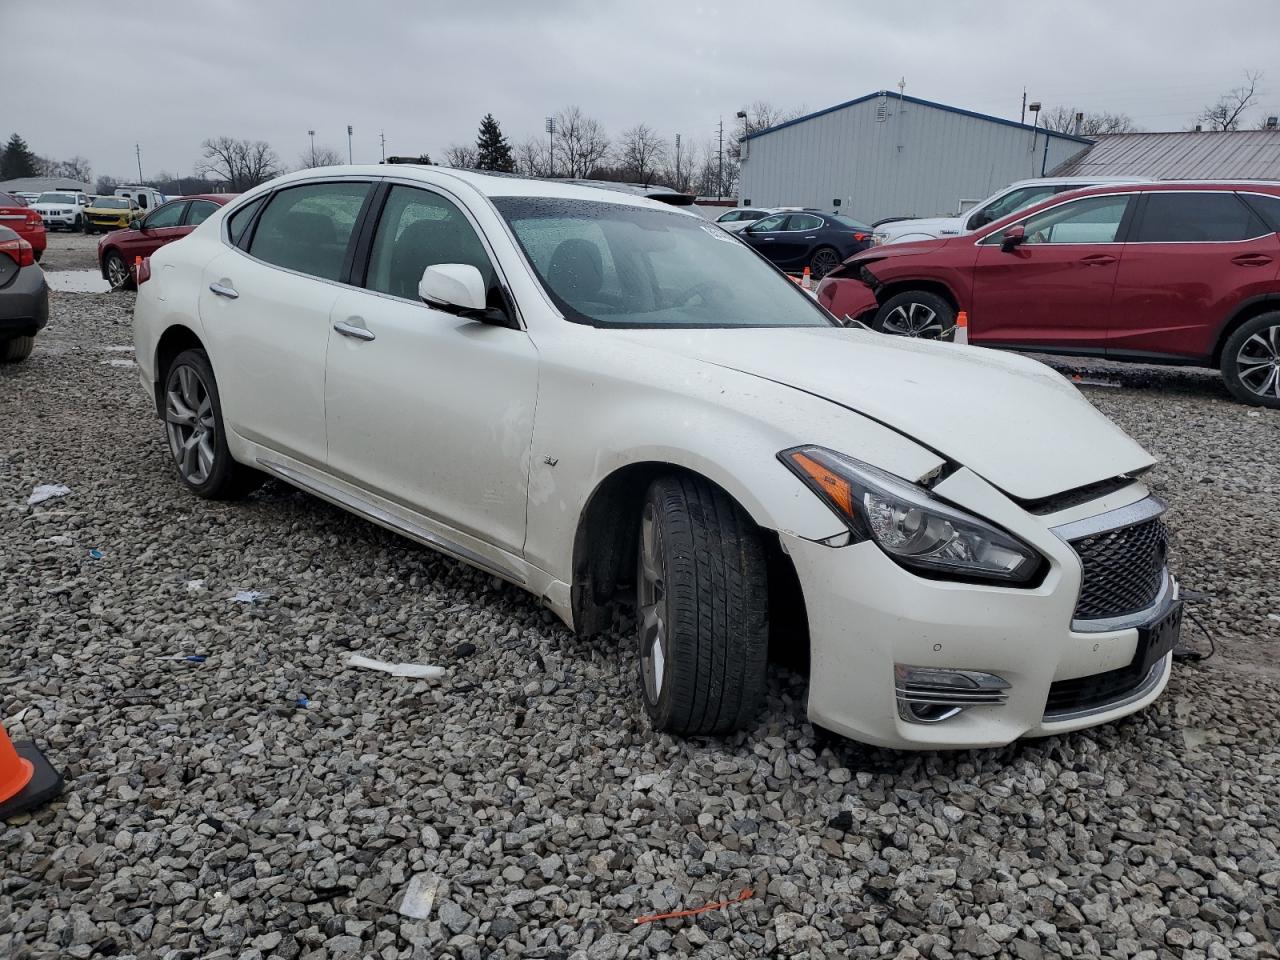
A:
{"x": 348, "y": 143}
{"x": 312, "y": 159}
{"x": 678, "y": 180}
{"x": 382, "y": 134}
{"x": 720, "y": 174}
{"x": 137, "y": 149}
{"x": 1023, "y": 118}
{"x": 551, "y": 146}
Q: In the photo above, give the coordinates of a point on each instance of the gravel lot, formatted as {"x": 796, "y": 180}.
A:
{"x": 270, "y": 802}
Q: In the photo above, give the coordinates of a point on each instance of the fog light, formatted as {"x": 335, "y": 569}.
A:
{"x": 936, "y": 694}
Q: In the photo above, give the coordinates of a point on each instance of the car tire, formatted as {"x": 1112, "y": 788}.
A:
{"x": 78, "y": 225}
{"x": 37, "y": 254}
{"x": 116, "y": 271}
{"x": 1251, "y": 361}
{"x": 16, "y": 349}
{"x": 196, "y": 434}
{"x": 702, "y": 620}
{"x": 822, "y": 261}
{"x": 916, "y": 313}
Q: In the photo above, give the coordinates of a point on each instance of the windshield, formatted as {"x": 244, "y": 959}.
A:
{"x": 56, "y": 198}
{"x": 112, "y": 203}
{"x": 616, "y": 265}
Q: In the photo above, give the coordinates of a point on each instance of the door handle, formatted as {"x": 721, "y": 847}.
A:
{"x": 224, "y": 289}
{"x": 1251, "y": 260}
{"x": 1098, "y": 259}
{"x": 350, "y": 329}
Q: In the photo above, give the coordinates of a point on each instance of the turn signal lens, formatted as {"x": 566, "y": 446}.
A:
{"x": 833, "y": 488}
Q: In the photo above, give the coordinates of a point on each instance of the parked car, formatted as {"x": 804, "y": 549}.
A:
{"x": 24, "y": 297}
{"x": 62, "y": 209}
{"x": 25, "y": 222}
{"x": 30, "y": 198}
{"x": 741, "y": 218}
{"x": 610, "y": 403}
{"x": 147, "y": 198}
{"x": 119, "y": 250}
{"x": 1182, "y": 273}
{"x": 807, "y": 238}
{"x": 111, "y": 213}
{"x": 1017, "y": 196}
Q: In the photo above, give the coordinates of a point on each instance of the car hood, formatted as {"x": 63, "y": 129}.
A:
{"x": 1012, "y": 420}
{"x": 935, "y": 226}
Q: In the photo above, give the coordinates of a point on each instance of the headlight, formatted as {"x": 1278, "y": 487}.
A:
{"x": 909, "y": 524}
{"x": 878, "y": 238}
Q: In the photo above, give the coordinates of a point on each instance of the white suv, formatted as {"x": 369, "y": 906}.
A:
{"x": 1016, "y": 196}
{"x": 613, "y": 403}
{"x": 62, "y": 208}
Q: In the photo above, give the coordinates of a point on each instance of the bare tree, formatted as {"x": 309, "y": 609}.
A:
{"x": 76, "y": 168}
{"x": 1226, "y": 113}
{"x": 761, "y": 115}
{"x": 1063, "y": 120}
{"x": 641, "y": 153}
{"x": 106, "y": 185}
{"x": 581, "y": 144}
{"x": 241, "y": 164}
{"x": 682, "y": 177}
{"x": 460, "y": 155}
{"x": 318, "y": 157}
{"x": 531, "y": 157}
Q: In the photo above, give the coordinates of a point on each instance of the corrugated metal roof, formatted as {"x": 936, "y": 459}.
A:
{"x": 1195, "y": 155}
{"x": 918, "y": 102}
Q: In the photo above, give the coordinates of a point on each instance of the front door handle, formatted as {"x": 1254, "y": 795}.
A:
{"x": 1098, "y": 259}
{"x": 1251, "y": 260}
{"x": 223, "y": 288}
{"x": 351, "y": 329}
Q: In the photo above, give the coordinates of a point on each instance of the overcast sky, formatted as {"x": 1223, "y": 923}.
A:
{"x": 97, "y": 77}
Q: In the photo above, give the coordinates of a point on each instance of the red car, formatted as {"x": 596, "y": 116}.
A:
{"x": 118, "y": 251}
{"x": 25, "y": 222}
{"x": 1173, "y": 272}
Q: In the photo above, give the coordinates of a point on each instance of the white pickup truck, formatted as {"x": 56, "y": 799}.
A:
{"x": 1022, "y": 193}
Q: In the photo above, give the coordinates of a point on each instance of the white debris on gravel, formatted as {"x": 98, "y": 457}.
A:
{"x": 417, "y": 671}
{"x": 262, "y": 805}
{"x": 249, "y": 596}
{"x": 46, "y": 491}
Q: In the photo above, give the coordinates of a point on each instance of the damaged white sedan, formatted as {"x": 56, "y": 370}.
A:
{"x": 611, "y": 402}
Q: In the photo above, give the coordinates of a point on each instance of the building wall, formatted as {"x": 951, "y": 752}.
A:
{"x": 919, "y": 161}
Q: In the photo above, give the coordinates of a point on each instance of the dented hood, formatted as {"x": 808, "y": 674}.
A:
{"x": 1010, "y": 419}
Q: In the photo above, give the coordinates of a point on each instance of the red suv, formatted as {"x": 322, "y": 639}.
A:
{"x": 1182, "y": 273}
{"x": 118, "y": 251}
{"x": 23, "y": 221}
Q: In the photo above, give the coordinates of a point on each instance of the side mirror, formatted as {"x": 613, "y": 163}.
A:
{"x": 1013, "y": 237}
{"x": 459, "y": 288}
{"x": 136, "y": 224}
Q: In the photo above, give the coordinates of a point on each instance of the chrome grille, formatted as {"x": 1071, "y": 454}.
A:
{"x": 1123, "y": 570}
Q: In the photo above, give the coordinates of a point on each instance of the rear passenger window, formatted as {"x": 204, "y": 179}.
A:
{"x": 1266, "y": 205}
{"x": 199, "y": 212}
{"x": 804, "y": 221}
{"x": 239, "y": 221}
{"x": 307, "y": 228}
{"x": 1187, "y": 217}
{"x": 419, "y": 229}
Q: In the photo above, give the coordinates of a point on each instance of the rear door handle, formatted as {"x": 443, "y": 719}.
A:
{"x": 1251, "y": 260}
{"x": 353, "y": 327}
{"x": 224, "y": 290}
{"x": 1098, "y": 259}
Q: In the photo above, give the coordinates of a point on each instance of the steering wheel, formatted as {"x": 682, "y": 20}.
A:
{"x": 703, "y": 290}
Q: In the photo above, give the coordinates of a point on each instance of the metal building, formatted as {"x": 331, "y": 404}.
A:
{"x": 890, "y": 155}
{"x": 1192, "y": 155}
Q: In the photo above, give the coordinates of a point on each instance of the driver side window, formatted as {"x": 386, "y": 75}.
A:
{"x": 769, "y": 223}
{"x": 1091, "y": 220}
{"x": 1011, "y": 201}
{"x": 170, "y": 215}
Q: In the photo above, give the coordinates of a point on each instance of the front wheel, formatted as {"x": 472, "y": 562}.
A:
{"x": 117, "y": 271}
{"x": 702, "y": 609}
{"x": 196, "y": 434}
{"x": 916, "y": 313}
{"x": 1251, "y": 361}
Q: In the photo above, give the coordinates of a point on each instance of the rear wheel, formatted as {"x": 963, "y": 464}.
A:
{"x": 823, "y": 261}
{"x": 37, "y": 254}
{"x": 1251, "y": 361}
{"x": 196, "y": 434}
{"x": 916, "y": 313}
{"x": 702, "y": 609}
{"x": 16, "y": 349}
{"x": 117, "y": 271}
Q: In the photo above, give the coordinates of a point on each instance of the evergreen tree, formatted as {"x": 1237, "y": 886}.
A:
{"x": 17, "y": 160}
{"x": 492, "y": 150}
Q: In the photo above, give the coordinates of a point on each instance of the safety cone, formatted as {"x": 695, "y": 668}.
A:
{"x": 806, "y": 280}
{"x": 26, "y": 778}
{"x": 961, "y": 334}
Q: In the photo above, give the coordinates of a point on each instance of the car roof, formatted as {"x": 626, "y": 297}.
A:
{"x": 1164, "y": 186}
{"x": 1083, "y": 181}
{"x": 218, "y": 198}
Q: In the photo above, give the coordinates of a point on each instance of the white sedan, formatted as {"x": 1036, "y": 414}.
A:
{"x": 613, "y": 403}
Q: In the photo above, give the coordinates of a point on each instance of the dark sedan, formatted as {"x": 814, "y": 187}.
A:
{"x": 24, "y": 297}
{"x": 819, "y": 241}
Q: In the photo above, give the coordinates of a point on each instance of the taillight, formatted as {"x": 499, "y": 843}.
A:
{"x": 33, "y": 219}
{"x": 859, "y": 237}
{"x": 20, "y": 251}
{"x": 142, "y": 270}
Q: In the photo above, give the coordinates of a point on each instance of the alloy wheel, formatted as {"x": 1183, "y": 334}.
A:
{"x": 190, "y": 424}
{"x": 913, "y": 320}
{"x": 824, "y": 261}
{"x": 117, "y": 272}
{"x": 652, "y": 603}
{"x": 1258, "y": 363}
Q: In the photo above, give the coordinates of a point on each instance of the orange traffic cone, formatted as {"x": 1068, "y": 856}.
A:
{"x": 961, "y": 334}
{"x": 806, "y": 280}
{"x": 26, "y": 778}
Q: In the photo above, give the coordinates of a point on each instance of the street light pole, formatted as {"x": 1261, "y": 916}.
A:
{"x": 312, "y": 159}
{"x": 348, "y": 143}
{"x": 720, "y": 173}
{"x": 678, "y": 180}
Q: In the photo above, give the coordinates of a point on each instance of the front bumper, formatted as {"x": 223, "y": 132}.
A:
{"x": 108, "y": 223}
{"x": 59, "y": 219}
{"x": 867, "y": 614}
